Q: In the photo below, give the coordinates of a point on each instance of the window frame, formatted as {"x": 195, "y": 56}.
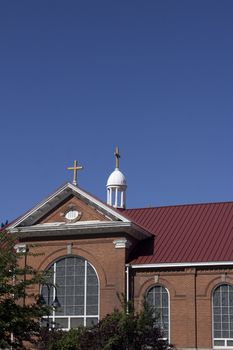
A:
{"x": 169, "y": 308}
{"x": 84, "y": 316}
{"x": 225, "y": 340}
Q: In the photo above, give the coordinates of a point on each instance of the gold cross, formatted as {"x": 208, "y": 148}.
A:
{"x": 117, "y": 155}
{"x": 75, "y": 168}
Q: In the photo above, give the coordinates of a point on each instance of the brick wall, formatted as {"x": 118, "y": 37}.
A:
{"x": 190, "y": 292}
{"x": 108, "y": 262}
{"x": 190, "y": 289}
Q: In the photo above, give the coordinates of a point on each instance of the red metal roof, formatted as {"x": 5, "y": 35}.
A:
{"x": 184, "y": 233}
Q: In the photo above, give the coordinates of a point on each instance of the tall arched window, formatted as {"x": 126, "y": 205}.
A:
{"x": 77, "y": 291}
{"x": 223, "y": 316}
{"x": 157, "y": 297}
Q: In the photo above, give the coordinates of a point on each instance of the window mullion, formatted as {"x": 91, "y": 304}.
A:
{"x": 228, "y": 311}
{"x": 159, "y": 300}
{"x": 85, "y": 294}
{"x": 54, "y": 282}
{"x": 221, "y": 310}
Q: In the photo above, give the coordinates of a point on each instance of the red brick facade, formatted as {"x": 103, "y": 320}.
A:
{"x": 108, "y": 262}
{"x": 103, "y": 241}
{"x": 190, "y": 293}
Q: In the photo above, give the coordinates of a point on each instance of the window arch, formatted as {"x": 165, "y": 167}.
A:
{"x": 222, "y": 305}
{"x": 157, "y": 297}
{"x": 77, "y": 290}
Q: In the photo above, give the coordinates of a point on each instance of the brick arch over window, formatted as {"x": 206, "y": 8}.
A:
{"x": 214, "y": 282}
{"x": 222, "y": 314}
{"x": 160, "y": 281}
{"x": 77, "y": 289}
{"x": 62, "y": 252}
{"x": 157, "y": 297}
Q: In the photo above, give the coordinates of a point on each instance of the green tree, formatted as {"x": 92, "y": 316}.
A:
{"x": 125, "y": 330}
{"x": 120, "y": 330}
{"x": 19, "y": 321}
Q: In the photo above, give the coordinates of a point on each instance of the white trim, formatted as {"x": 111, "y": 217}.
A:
{"x": 127, "y": 288}
{"x": 38, "y": 206}
{"x": 71, "y": 226}
{"x": 185, "y": 264}
{"x": 85, "y": 293}
{"x": 76, "y": 190}
{"x": 169, "y": 306}
{"x": 97, "y": 202}
{"x": 80, "y": 227}
{"x": 21, "y": 248}
{"x": 194, "y": 349}
{"x": 225, "y": 340}
{"x": 121, "y": 243}
{"x": 84, "y": 316}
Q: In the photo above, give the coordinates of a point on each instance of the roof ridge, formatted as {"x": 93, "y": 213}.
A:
{"x": 179, "y": 205}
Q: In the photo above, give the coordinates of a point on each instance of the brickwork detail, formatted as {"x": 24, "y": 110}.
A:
{"x": 86, "y": 212}
{"x": 190, "y": 294}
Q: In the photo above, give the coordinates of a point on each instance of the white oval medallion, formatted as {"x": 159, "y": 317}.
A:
{"x": 72, "y": 215}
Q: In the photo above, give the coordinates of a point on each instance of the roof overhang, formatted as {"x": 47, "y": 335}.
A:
{"x": 80, "y": 228}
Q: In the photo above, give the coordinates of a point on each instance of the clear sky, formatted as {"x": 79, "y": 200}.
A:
{"x": 78, "y": 78}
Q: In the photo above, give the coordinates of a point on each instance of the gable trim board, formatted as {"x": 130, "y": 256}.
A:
{"x": 62, "y": 193}
{"x": 83, "y": 227}
{"x": 117, "y": 223}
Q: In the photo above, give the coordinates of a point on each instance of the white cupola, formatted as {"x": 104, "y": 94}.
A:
{"x": 116, "y": 186}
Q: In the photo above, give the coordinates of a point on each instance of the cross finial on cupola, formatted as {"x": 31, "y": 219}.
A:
{"x": 75, "y": 169}
{"x": 116, "y": 186}
{"x": 117, "y": 156}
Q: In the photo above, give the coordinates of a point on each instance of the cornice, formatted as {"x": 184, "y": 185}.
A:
{"x": 78, "y": 228}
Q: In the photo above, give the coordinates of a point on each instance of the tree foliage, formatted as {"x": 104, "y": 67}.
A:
{"x": 19, "y": 321}
{"x": 120, "y": 330}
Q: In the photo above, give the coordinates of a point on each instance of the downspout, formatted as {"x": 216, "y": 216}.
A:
{"x": 12, "y": 334}
{"x": 127, "y": 287}
{"x": 25, "y": 276}
{"x": 195, "y": 306}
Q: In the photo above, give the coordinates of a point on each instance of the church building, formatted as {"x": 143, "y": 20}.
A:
{"x": 180, "y": 258}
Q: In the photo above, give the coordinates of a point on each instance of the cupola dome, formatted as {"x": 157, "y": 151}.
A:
{"x": 116, "y": 178}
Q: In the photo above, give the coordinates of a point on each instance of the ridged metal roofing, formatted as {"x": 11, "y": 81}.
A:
{"x": 184, "y": 233}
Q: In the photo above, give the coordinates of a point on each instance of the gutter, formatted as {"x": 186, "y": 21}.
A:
{"x": 185, "y": 264}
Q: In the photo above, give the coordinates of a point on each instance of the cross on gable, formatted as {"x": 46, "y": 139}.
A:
{"x": 75, "y": 169}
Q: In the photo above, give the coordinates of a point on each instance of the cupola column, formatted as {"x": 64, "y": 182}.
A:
{"x": 122, "y": 199}
{"x": 116, "y": 198}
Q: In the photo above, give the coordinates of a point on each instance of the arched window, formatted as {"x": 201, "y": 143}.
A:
{"x": 223, "y": 316}
{"x": 77, "y": 291}
{"x": 157, "y": 297}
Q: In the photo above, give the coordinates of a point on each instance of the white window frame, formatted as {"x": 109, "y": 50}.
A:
{"x": 84, "y": 317}
{"x": 224, "y": 340}
{"x": 169, "y": 319}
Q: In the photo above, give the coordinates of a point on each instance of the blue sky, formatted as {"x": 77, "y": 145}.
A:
{"x": 78, "y": 78}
